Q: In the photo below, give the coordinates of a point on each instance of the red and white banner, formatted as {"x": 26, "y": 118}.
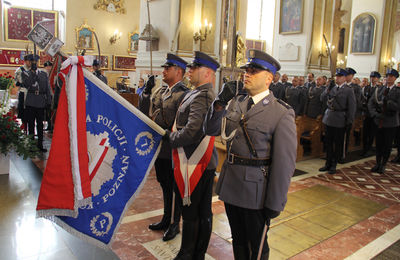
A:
{"x": 188, "y": 171}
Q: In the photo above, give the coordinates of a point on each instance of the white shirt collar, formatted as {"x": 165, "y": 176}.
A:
{"x": 341, "y": 85}
{"x": 260, "y": 96}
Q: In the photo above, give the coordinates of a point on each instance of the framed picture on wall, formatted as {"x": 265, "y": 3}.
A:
{"x": 133, "y": 42}
{"x": 291, "y": 16}
{"x": 363, "y": 34}
{"x": 124, "y": 62}
{"x": 104, "y": 61}
{"x": 84, "y": 37}
{"x": 19, "y": 21}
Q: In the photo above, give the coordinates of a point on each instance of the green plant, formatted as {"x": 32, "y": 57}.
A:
{"x": 13, "y": 138}
{"x": 6, "y": 81}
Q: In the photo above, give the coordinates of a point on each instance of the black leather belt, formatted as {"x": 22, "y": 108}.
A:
{"x": 236, "y": 159}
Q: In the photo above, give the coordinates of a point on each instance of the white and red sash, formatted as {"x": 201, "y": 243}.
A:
{"x": 188, "y": 171}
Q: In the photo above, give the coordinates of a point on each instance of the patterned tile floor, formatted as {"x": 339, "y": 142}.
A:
{"x": 327, "y": 217}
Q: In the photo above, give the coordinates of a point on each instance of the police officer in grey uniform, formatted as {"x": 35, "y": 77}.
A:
{"x": 369, "y": 128}
{"x": 22, "y": 89}
{"x": 384, "y": 107}
{"x": 314, "y": 107}
{"x": 165, "y": 104}
{"x": 310, "y": 81}
{"x": 196, "y": 211}
{"x": 37, "y": 99}
{"x": 338, "y": 117}
{"x": 260, "y": 135}
{"x": 358, "y": 95}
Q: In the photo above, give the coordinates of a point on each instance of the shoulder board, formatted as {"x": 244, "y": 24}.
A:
{"x": 180, "y": 87}
{"x": 283, "y": 103}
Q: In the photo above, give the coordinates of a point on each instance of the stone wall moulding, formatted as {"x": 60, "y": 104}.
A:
{"x": 288, "y": 52}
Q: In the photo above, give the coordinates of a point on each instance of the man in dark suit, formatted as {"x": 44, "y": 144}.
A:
{"x": 191, "y": 146}
{"x": 310, "y": 80}
{"x": 384, "y": 107}
{"x": 260, "y": 135}
{"x": 369, "y": 128}
{"x": 165, "y": 104}
{"x": 97, "y": 71}
{"x": 314, "y": 106}
{"x": 277, "y": 87}
{"x": 337, "y": 118}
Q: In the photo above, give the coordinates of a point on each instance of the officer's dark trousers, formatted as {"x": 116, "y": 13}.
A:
{"x": 397, "y": 140}
{"x": 334, "y": 139}
{"x": 369, "y": 132}
{"x": 165, "y": 176}
{"x": 384, "y": 142}
{"x": 197, "y": 219}
{"x": 247, "y": 227}
{"x": 35, "y": 114}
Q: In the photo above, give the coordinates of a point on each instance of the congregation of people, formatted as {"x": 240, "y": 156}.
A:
{"x": 256, "y": 118}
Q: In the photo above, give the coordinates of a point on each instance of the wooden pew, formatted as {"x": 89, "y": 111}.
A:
{"x": 311, "y": 131}
{"x": 133, "y": 98}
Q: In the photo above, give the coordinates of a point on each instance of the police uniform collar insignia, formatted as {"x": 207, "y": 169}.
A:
{"x": 265, "y": 102}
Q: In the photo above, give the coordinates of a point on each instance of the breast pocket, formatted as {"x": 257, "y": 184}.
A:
{"x": 261, "y": 137}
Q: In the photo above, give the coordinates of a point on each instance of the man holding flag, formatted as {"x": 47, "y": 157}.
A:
{"x": 165, "y": 103}
{"x": 195, "y": 158}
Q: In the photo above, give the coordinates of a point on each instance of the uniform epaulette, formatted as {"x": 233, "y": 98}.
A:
{"x": 283, "y": 103}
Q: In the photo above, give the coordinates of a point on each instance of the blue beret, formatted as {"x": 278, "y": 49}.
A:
{"x": 375, "y": 74}
{"x": 261, "y": 60}
{"x": 203, "y": 60}
{"x": 341, "y": 72}
{"x": 392, "y": 72}
{"x": 173, "y": 60}
{"x": 350, "y": 71}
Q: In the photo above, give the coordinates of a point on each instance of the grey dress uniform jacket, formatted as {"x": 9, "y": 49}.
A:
{"x": 385, "y": 115}
{"x": 272, "y": 130}
{"x": 37, "y": 84}
{"x": 341, "y": 104}
{"x": 296, "y": 98}
{"x": 314, "y": 106}
{"x": 277, "y": 89}
{"x": 164, "y": 109}
{"x": 189, "y": 121}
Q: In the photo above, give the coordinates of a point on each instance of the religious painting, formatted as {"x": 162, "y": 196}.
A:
{"x": 40, "y": 36}
{"x": 19, "y": 21}
{"x": 133, "y": 42}
{"x": 291, "y": 16}
{"x": 363, "y": 36}
{"x": 124, "y": 62}
{"x": 85, "y": 37}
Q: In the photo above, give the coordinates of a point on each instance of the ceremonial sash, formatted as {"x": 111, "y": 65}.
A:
{"x": 188, "y": 171}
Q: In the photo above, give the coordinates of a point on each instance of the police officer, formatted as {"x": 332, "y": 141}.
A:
{"x": 22, "y": 90}
{"x": 357, "y": 93}
{"x": 165, "y": 105}
{"x": 310, "y": 81}
{"x": 314, "y": 107}
{"x": 97, "y": 71}
{"x": 384, "y": 107}
{"x": 48, "y": 65}
{"x": 38, "y": 97}
{"x": 369, "y": 128}
{"x": 295, "y": 96}
{"x": 188, "y": 140}
{"x": 338, "y": 117}
{"x": 261, "y": 140}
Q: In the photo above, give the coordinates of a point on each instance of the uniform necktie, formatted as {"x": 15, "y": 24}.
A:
{"x": 250, "y": 103}
{"x": 386, "y": 91}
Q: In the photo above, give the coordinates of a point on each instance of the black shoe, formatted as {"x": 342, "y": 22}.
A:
{"x": 381, "y": 169}
{"x": 162, "y": 225}
{"x": 171, "y": 232}
{"x": 325, "y": 168}
{"x": 332, "y": 170}
{"x": 396, "y": 159}
{"x": 375, "y": 168}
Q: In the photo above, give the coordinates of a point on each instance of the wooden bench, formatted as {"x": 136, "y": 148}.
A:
{"x": 311, "y": 132}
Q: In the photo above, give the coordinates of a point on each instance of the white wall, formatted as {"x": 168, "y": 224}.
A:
{"x": 365, "y": 63}
{"x": 302, "y": 40}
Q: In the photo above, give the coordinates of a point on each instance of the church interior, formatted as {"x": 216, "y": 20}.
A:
{"x": 353, "y": 214}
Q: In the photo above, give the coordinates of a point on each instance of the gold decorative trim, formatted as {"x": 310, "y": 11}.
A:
{"x": 111, "y": 6}
{"x": 133, "y": 43}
